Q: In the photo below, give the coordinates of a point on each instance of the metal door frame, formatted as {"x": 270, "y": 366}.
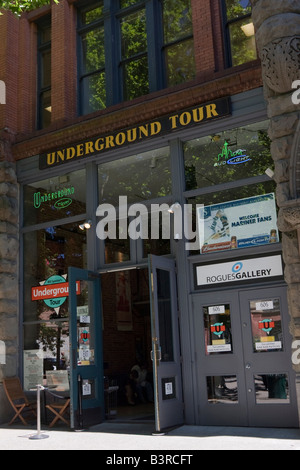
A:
{"x": 94, "y": 406}
{"x": 167, "y": 375}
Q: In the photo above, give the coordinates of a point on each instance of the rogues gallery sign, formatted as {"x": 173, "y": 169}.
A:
{"x": 161, "y": 126}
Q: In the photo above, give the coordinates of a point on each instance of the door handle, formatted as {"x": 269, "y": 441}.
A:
{"x": 248, "y": 366}
{"x": 158, "y": 353}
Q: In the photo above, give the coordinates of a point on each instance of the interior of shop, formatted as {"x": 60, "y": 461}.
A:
{"x": 127, "y": 345}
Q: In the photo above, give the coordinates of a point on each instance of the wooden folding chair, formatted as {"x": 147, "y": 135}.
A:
{"x": 17, "y": 399}
{"x": 59, "y": 380}
{"x": 59, "y": 409}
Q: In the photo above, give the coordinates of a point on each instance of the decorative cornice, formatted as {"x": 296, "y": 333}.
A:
{"x": 141, "y": 110}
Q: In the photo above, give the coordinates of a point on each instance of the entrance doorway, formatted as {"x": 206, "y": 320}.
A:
{"x": 128, "y": 374}
{"x": 113, "y": 340}
{"x": 244, "y": 368}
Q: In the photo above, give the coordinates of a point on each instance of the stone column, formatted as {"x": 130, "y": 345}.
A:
{"x": 9, "y": 285}
{"x": 9, "y": 211}
{"x": 277, "y": 26}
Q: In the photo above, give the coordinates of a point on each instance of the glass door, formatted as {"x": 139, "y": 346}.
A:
{"x": 270, "y": 379}
{"x": 86, "y": 355}
{"x": 243, "y": 351}
{"x": 165, "y": 352}
{"x": 220, "y": 364}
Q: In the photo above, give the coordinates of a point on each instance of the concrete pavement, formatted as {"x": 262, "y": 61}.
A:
{"x": 111, "y": 436}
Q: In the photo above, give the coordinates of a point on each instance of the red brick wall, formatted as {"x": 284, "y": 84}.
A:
{"x": 9, "y": 65}
{"x": 18, "y": 58}
{"x": 63, "y": 56}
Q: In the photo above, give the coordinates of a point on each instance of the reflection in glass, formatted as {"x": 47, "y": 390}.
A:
{"x": 85, "y": 325}
{"x": 134, "y": 54}
{"x": 180, "y": 62}
{"x": 222, "y": 389}
{"x": 272, "y": 388}
{"x": 93, "y": 92}
{"x": 55, "y": 198}
{"x": 178, "y": 41}
{"x": 139, "y": 177}
{"x": 91, "y": 14}
{"x": 242, "y": 40}
{"x": 227, "y": 156}
{"x": 134, "y": 36}
{"x": 52, "y": 339}
{"x": 47, "y": 255}
{"x": 93, "y": 50}
{"x": 241, "y": 31}
{"x": 135, "y": 79}
{"x": 165, "y": 315}
{"x": 177, "y": 19}
{"x": 217, "y": 327}
{"x": 266, "y": 325}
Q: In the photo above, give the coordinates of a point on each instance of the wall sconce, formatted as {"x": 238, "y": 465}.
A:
{"x": 248, "y": 30}
{"x": 269, "y": 173}
{"x": 86, "y": 225}
{"x": 173, "y": 207}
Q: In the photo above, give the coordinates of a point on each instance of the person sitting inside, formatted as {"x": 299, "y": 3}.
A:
{"x": 143, "y": 386}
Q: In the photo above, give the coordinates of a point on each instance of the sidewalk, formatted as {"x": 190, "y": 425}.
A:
{"x": 138, "y": 437}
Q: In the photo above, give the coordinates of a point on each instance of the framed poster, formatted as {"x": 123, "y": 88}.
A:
{"x": 238, "y": 224}
{"x": 33, "y": 368}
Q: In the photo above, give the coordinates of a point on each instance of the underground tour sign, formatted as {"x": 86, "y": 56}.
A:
{"x": 54, "y": 291}
{"x": 239, "y": 271}
{"x": 163, "y": 125}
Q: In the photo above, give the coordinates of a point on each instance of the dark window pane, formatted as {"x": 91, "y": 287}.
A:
{"x": 93, "y": 50}
{"x": 136, "y": 78}
{"x": 242, "y": 40}
{"x": 180, "y": 63}
{"x": 91, "y": 15}
{"x": 237, "y": 8}
{"x": 45, "y": 103}
{"x": 117, "y": 250}
{"x": 46, "y": 69}
{"x": 271, "y": 389}
{"x": 128, "y": 3}
{"x": 165, "y": 315}
{"x": 222, "y": 389}
{"x": 177, "y": 20}
{"x": 45, "y": 34}
{"x": 93, "y": 93}
{"x": 134, "y": 34}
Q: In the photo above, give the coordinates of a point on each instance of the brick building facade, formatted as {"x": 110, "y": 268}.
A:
{"x": 222, "y": 68}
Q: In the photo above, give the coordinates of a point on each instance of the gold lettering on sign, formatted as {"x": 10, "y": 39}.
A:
{"x": 127, "y": 136}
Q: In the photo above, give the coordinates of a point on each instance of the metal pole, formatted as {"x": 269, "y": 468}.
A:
{"x": 79, "y": 412}
{"x": 39, "y": 435}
